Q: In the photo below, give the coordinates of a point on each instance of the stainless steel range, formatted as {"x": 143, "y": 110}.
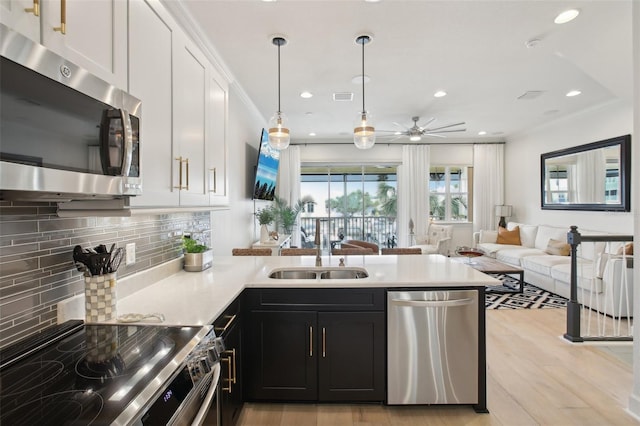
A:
{"x": 76, "y": 374}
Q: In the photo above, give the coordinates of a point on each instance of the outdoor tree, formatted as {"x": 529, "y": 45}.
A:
{"x": 352, "y": 203}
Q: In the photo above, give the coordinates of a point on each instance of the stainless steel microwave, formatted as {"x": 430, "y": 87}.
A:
{"x": 65, "y": 134}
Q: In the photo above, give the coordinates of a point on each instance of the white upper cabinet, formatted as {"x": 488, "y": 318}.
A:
{"x": 184, "y": 113}
{"x": 217, "y": 150}
{"x": 150, "y": 80}
{"x": 22, "y": 16}
{"x": 190, "y": 97}
{"x": 91, "y": 34}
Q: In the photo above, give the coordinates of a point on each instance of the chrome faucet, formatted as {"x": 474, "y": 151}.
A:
{"x": 317, "y": 243}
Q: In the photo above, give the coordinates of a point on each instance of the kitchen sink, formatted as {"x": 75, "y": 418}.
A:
{"x": 320, "y": 273}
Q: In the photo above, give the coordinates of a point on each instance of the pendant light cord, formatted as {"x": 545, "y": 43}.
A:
{"x": 279, "y": 79}
{"x": 363, "y": 110}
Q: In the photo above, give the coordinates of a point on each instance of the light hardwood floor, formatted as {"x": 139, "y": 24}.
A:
{"x": 534, "y": 378}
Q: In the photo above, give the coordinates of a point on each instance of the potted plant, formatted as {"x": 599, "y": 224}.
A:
{"x": 287, "y": 215}
{"x": 197, "y": 257}
{"x": 265, "y": 216}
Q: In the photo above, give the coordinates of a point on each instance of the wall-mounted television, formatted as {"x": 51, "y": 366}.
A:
{"x": 264, "y": 187}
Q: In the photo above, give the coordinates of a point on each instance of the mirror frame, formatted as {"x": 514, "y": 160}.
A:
{"x": 625, "y": 176}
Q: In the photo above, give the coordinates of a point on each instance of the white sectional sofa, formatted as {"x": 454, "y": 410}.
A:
{"x": 600, "y": 271}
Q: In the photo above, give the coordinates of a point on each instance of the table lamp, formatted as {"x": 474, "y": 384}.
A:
{"x": 503, "y": 211}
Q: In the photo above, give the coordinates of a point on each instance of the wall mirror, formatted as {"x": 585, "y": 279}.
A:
{"x": 595, "y": 176}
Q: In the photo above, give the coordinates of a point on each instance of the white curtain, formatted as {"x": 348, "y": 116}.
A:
{"x": 488, "y": 184}
{"x": 413, "y": 192}
{"x": 288, "y": 186}
{"x": 591, "y": 174}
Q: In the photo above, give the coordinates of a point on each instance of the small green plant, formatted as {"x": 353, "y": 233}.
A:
{"x": 266, "y": 215}
{"x": 190, "y": 245}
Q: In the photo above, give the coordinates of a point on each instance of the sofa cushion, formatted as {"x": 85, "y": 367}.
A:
{"x": 585, "y": 275}
{"x": 508, "y": 237}
{"x": 558, "y": 248}
{"x": 490, "y": 249}
{"x": 513, "y": 256}
{"x": 591, "y": 250}
{"x": 542, "y": 264}
{"x": 546, "y": 232}
{"x": 528, "y": 235}
{"x": 488, "y": 236}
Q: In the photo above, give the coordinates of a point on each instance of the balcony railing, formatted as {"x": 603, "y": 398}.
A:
{"x": 380, "y": 230}
{"x": 600, "y": 310}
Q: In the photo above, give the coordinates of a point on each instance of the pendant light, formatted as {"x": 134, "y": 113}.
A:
{"x": 278, "y": 132}
{"x": 364, "y": 135}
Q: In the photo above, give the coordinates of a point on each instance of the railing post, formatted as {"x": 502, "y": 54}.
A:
{"x": 573, "y": 307}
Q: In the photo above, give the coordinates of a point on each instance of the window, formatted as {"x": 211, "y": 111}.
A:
{"x": 354, "y": 202}
{"x": 450, "y": 193}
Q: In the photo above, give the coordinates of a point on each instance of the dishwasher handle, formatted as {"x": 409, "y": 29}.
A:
{"x": 432, "y": 303}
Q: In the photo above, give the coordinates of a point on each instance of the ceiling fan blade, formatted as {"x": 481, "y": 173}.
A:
{"x": 434, "y": 135}
{"x": 446, "y": 127}
{"x": 429, "y": 121}
{"x": 430, "y": 132}
{"x": 389, "y": 131}
{"x": 400, "y": 125}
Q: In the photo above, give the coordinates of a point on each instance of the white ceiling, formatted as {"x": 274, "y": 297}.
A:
{"x": 474, "y": 50}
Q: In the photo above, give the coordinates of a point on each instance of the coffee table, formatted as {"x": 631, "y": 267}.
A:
{"x": 496, "y": 269}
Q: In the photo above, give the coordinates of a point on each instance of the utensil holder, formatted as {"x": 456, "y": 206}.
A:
{"x": 100, "y": 297}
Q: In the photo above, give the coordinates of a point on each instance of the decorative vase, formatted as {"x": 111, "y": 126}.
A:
{"x": 264, "y": 234}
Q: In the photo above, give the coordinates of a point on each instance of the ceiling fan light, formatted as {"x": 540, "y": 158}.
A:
{"x": 364, "y": 133}
{"x": 278, "y": 133}
{"x": 415, "y": 138}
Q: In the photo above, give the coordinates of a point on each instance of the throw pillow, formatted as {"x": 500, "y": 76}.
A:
{"x": 509, "y": 237}
{"x": 626, "y": 249}
{"x": 558, "y": 248}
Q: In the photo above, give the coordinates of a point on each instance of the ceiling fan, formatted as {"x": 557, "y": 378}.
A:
{"x": 416, "y": 132}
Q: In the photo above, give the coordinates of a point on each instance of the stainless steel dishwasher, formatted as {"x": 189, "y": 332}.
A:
{"x": 432, "y": 353}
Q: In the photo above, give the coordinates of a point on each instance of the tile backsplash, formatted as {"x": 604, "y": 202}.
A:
{"x": 36, "y": 262}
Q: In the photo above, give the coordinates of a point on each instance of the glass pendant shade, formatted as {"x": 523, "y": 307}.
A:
{"x": 364, "y": 135}
{"x": 278, "y": 132}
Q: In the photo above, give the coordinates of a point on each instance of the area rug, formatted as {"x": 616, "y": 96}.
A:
{"x": 531, "y": 298}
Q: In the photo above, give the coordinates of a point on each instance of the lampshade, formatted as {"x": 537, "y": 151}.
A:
{"x": 503, "y": 211}
{"x": 364, "y": 134}
{"x": 278, "y": 132}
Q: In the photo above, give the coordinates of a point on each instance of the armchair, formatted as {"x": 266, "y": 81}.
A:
{"x": 437, "y": 239}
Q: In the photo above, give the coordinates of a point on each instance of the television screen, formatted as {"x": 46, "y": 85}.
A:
{"x": 266, "y": 170}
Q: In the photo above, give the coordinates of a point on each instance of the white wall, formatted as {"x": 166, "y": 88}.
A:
{"x": 236, "y": 227}
{"x": 522, "y": 167}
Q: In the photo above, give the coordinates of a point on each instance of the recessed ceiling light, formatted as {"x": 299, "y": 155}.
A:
{"x": 308, "y": 113}
{"x": 358, "y": 79}
{"x": 440, "y": 93}
{"x": 573, "y": 93}
{"x": 482, "y": 133}
{"x": 306, "y": 95}
{"x": 566, "y": 16}
{"x": 312, "y": 134}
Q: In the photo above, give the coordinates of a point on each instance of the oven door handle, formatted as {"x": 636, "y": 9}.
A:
{"x": 204, "y": 408}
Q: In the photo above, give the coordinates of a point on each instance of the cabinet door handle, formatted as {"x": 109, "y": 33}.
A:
{"x": 179, "y": 160}
{"x": 229, "y": 379}
{"x": 63, "y": 18}
{"x": 223, "y": 330}
{"x": 310, "y": 341}
{"x": 35, "y": 9}
{"x": 215, "y": 183}
{"x": 187, "y": 161}
{"x": 235, "y": 375}
{"x": 324, "y": 342}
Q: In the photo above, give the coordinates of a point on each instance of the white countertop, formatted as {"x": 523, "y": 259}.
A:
{"x": 198, "y": 298}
